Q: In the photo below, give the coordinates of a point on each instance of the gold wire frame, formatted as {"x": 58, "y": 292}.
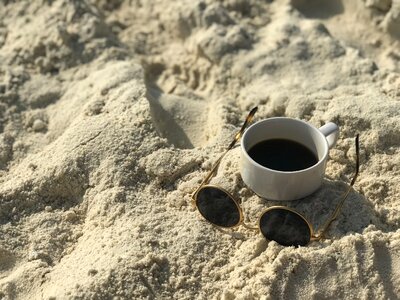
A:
{"x": 310, "y": 227}
{"x": 313, "y": 235}
{"x": 241, "y": 215}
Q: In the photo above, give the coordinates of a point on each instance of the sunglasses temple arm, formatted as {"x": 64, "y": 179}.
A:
{"x": 340, "y": 204}
{"x": 210, "y": 174}
{"x": 233, "y": 143}
{"x": 241, "y": 131}
{"x": 334, "y": 216}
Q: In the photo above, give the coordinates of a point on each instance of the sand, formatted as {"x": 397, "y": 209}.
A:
{"x": 112, "y": 112}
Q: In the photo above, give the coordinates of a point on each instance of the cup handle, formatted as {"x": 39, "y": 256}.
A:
{"x": 331, "y": 132}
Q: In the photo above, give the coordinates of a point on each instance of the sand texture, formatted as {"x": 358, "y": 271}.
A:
{"x": 112, "y": 112}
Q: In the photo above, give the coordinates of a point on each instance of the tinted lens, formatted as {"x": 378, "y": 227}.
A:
{"x": 285, "y": 227}
{"x": 217, "y": 207}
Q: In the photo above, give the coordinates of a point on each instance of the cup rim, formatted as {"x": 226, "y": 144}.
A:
{"x": 320, "y": 161}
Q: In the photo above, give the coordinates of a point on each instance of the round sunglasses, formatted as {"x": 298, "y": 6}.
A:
{"x": 277, "y": 223}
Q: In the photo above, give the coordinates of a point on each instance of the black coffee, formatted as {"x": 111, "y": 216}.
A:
{"x": 282, "y": 155}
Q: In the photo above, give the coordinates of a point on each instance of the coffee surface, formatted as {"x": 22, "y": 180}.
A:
{"x": 282, "y": 155}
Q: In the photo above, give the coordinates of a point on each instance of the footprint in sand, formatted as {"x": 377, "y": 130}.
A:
{"x": 182, "y": 121}
{"x": 319, "y": 9}
{"x": 7, "y": 260}
{"x": 347, "y": 21}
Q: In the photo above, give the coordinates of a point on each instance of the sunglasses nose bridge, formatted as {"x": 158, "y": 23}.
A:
{"x": 251, "y": 227}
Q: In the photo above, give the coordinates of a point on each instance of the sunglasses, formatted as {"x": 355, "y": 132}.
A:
{"x": 277, "y": 223}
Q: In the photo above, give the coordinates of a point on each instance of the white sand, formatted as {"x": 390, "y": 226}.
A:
{"x": 112, "y": 112}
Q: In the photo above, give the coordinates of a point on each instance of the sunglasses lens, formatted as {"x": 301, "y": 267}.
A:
{"x": 285, "y": 227}
{"x": 217, "y": 207}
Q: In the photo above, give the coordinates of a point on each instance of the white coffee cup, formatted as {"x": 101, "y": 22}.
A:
{"x": 281, "y": 185}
